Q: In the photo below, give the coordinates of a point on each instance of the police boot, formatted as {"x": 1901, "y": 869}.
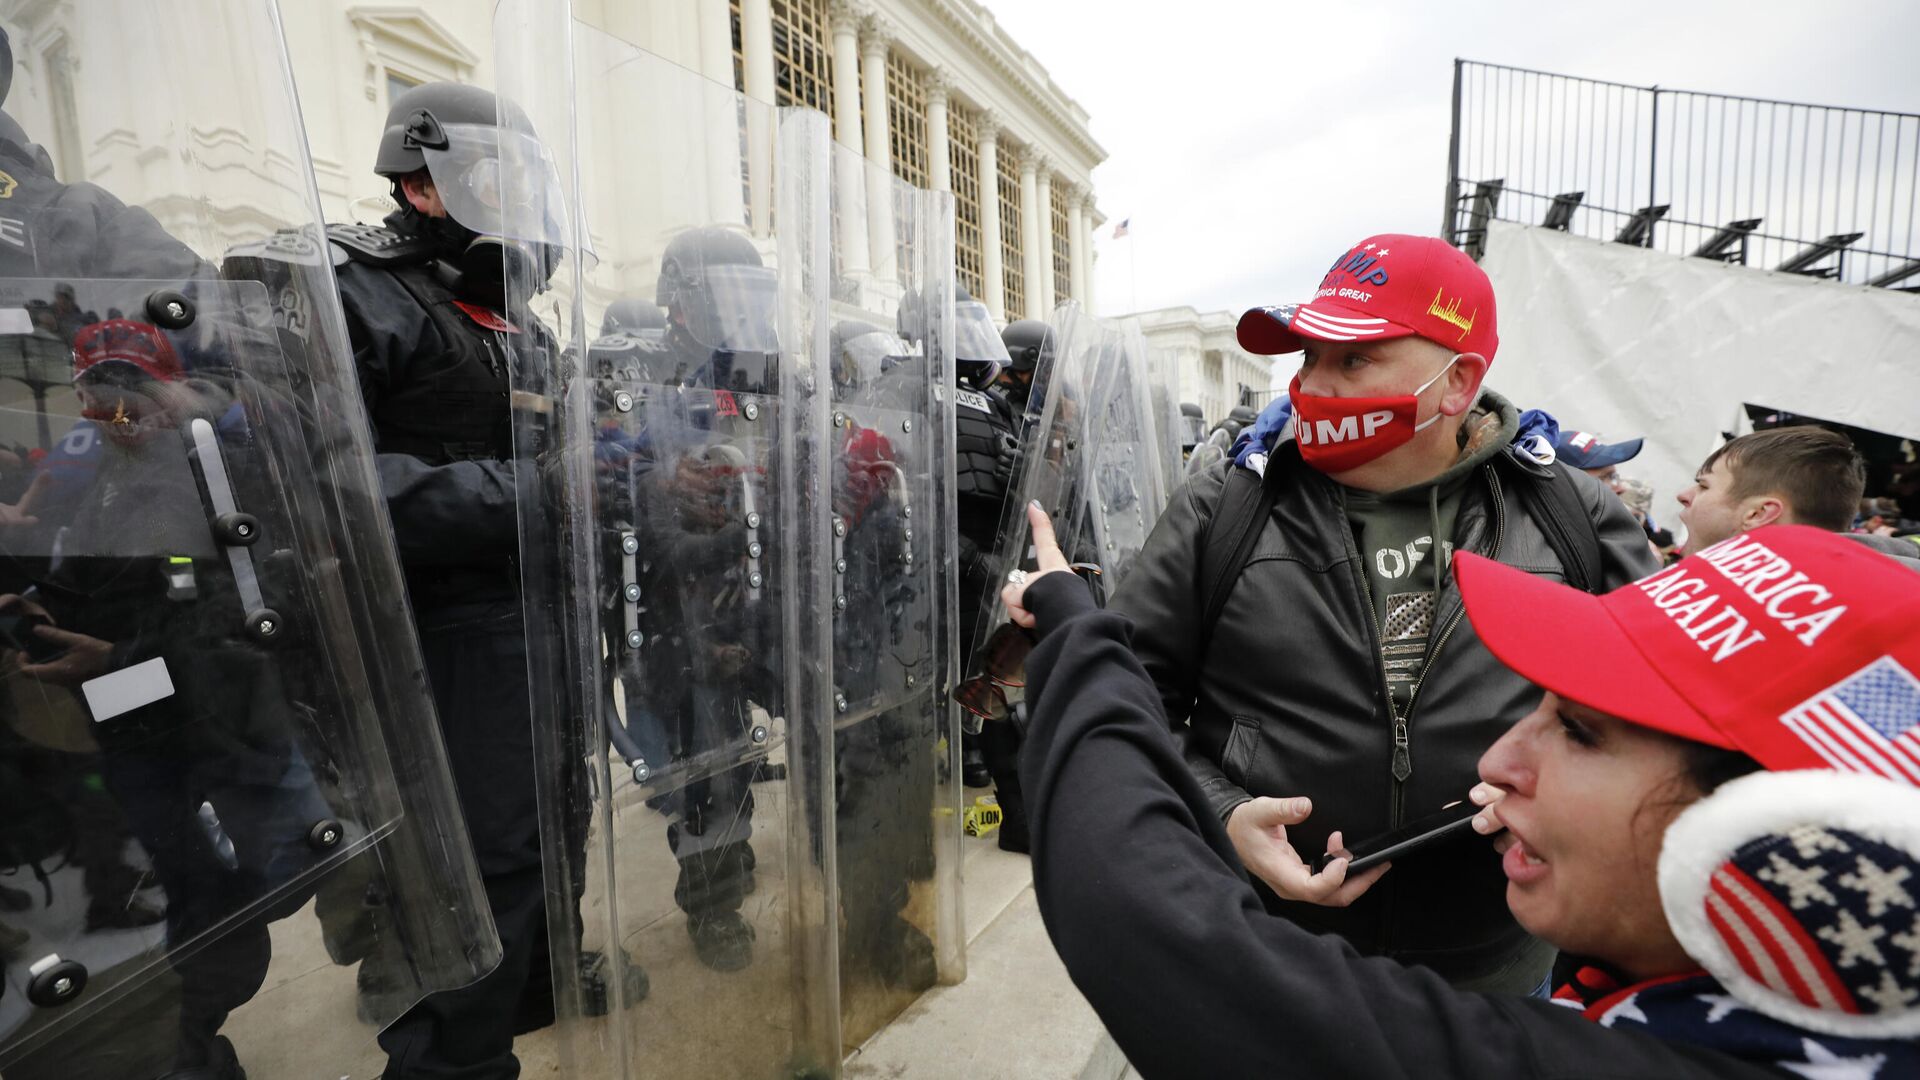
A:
{"x": 723, "y": 940}
{"x": 906, "y": 961}
{"x": 973, "y": 764}
{"x": 595, "y": 992}
{"x": 225, "y": 1065}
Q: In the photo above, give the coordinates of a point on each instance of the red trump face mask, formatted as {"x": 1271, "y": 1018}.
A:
{"x": 1336, "y": 434}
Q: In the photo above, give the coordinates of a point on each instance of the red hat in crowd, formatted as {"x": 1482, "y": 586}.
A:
{"x": 124, "y": 341}
{"x": 1795, "y": 646}
{"x": 1387, "y": 286}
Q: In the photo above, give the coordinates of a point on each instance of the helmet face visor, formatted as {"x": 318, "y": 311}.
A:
{"x": 500, "y": 183}
{"x": 978, "y": 349}
{"x": 865, "y": 358}
{"x": 733, "y": 308}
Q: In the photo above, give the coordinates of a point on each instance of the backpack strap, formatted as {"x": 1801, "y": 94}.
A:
{"x": 1245, "y": 505}
{"x": 1553, "y": 501}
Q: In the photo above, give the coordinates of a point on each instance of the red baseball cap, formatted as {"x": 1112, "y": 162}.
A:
{"x": 1795, "y": 646}
{"x": 124, "y": 341}
{"x": 1388, "y": 286}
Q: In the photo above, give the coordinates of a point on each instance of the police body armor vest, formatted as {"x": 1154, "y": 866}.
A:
{"x": 986, "y": 440}
{"x": 455, "y": 406}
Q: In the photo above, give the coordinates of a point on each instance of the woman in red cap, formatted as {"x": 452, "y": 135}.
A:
{"x": 1716, "y": 807}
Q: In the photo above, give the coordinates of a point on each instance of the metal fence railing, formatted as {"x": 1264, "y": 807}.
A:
{"x": 1809, "y": 189}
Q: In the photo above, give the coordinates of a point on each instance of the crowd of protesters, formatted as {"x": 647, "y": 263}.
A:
{"x": 1696, "y": 850}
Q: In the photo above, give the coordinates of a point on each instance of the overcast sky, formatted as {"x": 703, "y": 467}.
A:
{"x": 1251, "y": 141}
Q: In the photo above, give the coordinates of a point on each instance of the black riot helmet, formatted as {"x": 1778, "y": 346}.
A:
{"x": 1028, "y": 342}
{"x": 6, "y": 64}
{"x": 1193, "y": 425}
{"x": 716, "y": 290}
{"x": 978, "y": 352}
{"x": 497, "y": 182}
{"x": 633, "y": 316}
{"x": 862, "y": 352}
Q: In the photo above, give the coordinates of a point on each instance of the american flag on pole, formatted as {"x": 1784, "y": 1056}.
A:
{"x": 1869, "y": 722}
{"x": 1120, "y": 230}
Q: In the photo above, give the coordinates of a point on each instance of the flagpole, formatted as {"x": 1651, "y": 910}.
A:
{"x": 1133, "y": 272}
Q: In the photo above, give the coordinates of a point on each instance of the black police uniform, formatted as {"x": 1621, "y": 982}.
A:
{"x": 435, "y": 371}
{"x": 986, "y": 442}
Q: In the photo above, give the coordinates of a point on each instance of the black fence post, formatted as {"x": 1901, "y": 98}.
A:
{"x": 1447, "y": 230}
{"x": 1653, "y": 157}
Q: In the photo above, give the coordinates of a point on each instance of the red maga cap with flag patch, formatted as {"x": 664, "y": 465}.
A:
{"x": 1387, "y": 286}
{"x": 1796, "y": 646}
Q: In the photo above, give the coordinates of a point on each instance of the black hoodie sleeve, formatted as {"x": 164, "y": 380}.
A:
{"x": 1145, "y": 902}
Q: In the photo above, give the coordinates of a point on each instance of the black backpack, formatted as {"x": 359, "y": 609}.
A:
{"x": 1247, "y": 502}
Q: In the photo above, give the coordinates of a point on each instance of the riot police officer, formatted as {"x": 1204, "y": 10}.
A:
{"x": 1029, "y": 342}
{"x": 710, "y": 632}
{"x": 423, "y": 296}
{"x": 986, "y": 442}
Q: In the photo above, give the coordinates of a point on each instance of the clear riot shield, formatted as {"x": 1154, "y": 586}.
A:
{"x": 1163, "y": 383}
{"x": 225, "y": 810}
{"x": 1051, "y": 468}
{"x": 890, "y": 452}
{"x": 678, "y": 591}
{"x": 1125, "y": 490}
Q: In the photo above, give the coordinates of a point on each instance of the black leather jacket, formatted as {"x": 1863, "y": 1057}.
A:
{"x": 1290, "y": 697}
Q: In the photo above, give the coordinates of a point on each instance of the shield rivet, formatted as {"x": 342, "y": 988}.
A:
{"x": 629, "y": 544}
{"x": 632, "y": 592}
{"x": 753, "y": 519}
{"x": 751, "y": 411}
{"x": 753, "y": 550}
{"x": 759, "y": 733}
{"x": 754, "y": 579}
{"x": 635, "y": 639}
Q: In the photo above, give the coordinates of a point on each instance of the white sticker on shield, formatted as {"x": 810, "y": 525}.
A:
{"x": 127, "y": 689}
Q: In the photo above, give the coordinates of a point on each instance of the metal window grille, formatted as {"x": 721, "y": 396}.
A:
{"x": 963, "y": 136}
{"x": 1810, "y": 189}
{"x": 1010, "y": 249}
{"x": 803, "y": 54}
{"x": 907, "y": 120}
{"x": 1062, "y": 247}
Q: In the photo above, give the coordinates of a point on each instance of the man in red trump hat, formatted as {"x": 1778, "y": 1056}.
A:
{"x": 1296, "y": 610}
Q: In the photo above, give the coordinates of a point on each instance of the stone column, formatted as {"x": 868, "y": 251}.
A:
{"x": 756, "y": 57}
{"x": 939, "y": 150}
{"x": 846, "y": 17}
{"x": 716, "y": 41}
{"x": 1029, "y": 235}
{"x": 849, "y": 173}
{"x": 724, "y": 166}
{"x": 874, "y": 38}
{"x": 993, "y": 275}
{"x": 1077, "y": 242}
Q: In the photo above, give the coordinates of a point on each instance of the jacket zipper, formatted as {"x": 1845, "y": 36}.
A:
{"x": 1400, "y": 751}
{"x": 1402, "y": 764}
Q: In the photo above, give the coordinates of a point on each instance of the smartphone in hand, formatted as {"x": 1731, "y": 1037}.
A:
{"x": 1453, "y": 820}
